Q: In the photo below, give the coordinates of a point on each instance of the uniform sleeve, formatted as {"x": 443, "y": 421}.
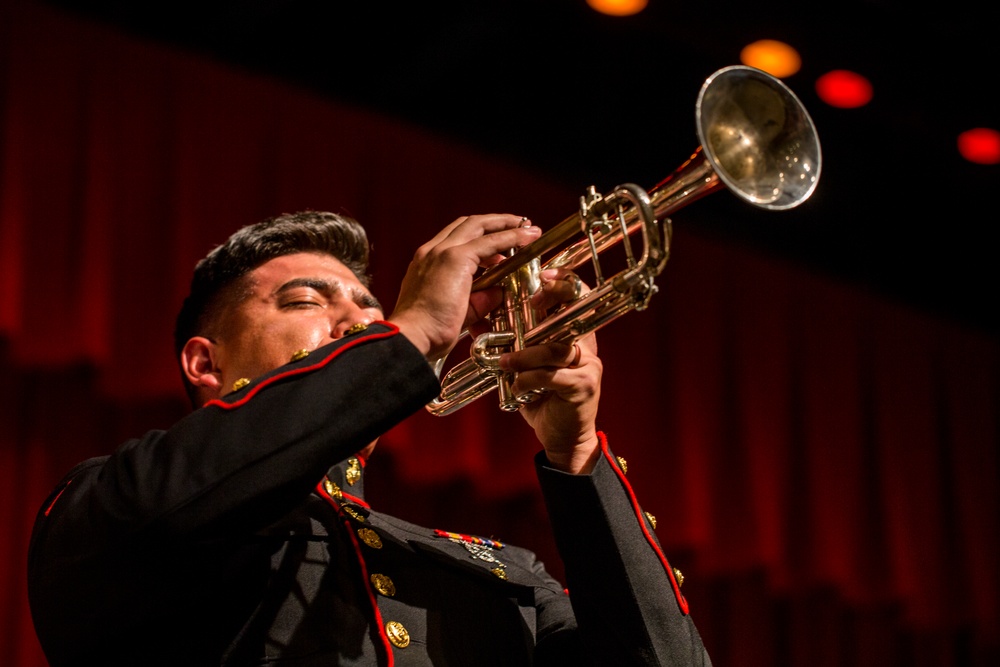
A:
{"x": 628, "y": 606}
{"x": 167, "y": 522}
{"x": 241, "y": 462}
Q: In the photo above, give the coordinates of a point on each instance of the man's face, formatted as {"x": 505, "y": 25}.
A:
{"x": 295, "y": 302}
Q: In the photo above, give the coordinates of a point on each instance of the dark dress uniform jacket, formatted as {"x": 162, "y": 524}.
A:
{"x": 240, "y": 536}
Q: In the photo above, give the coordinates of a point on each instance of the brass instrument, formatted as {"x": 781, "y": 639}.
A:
{"x": 756, "y": 140}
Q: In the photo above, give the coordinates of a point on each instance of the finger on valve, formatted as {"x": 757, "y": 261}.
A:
{"x": 558, "y": 288}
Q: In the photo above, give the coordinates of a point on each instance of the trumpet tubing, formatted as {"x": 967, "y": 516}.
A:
{"x": 756, "y": 140}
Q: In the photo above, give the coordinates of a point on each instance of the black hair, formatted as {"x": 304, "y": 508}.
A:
{"x": 217, "y": 281}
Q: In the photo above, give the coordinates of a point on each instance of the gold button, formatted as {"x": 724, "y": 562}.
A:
{"x": 357, "y": 328}
{"x": 500, "y": 573}
{"x": 397, "y": 634}
{"x": 622, "y": 464}
{"x": 333, "y": 489}
{"x": 353, "y": 473}
{"x": 300, "y": 354}
{"x": 652, "y": 520}
{"x": 679, "y": 576}
{"x": 370, "y": 537}
{"x": 383, "y": 584}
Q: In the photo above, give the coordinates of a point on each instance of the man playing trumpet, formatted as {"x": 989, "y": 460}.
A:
{"x": 242, "y": 536}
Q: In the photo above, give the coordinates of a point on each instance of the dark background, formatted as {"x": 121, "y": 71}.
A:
{"x": 824, "y": 463}
{"x": 588, "y": 99}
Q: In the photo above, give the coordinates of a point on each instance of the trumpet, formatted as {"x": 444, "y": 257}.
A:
{"x": 756, "y": 139}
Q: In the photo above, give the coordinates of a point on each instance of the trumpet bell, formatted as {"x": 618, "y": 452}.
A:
{"x": 758, "y": 138}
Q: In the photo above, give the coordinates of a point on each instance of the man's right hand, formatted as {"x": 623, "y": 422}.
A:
{"x": 436, "y": 302}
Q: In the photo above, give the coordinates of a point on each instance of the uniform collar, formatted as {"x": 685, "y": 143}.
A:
{"x": 348, "y": 477}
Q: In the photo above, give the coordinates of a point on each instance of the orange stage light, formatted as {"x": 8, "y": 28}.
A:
{"x": 618, "y": 7}
{"x": 774, "y": 57}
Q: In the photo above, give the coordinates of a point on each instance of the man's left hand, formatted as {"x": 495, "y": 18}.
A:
{"x": 564, "y": 417}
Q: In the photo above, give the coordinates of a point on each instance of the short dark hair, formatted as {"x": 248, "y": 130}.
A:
{"x": 218, "y": 277}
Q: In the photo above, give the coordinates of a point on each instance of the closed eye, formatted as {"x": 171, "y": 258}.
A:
{"x": 366, "y": 300}
{"x": 305, "y": 292}
{"x": 300, "y": 304}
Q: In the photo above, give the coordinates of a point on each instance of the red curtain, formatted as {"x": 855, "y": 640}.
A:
{"x": 823, "y": 464}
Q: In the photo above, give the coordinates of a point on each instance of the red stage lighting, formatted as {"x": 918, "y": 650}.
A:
{"x": 844, "y": 89}
{"x": 980, "y": 145}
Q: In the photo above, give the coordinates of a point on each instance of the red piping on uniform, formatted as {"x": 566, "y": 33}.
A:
{"x": 58, "y": 495}
{"x": 217, "y": 402}
{"x": 681, "y": 600}
{"x": 364, "y": 571}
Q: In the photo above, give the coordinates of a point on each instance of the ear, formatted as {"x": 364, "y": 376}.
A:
{"x": 199, "y": 362}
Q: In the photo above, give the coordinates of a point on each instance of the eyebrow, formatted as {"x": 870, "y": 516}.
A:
{"x": 330, "y": 288}
{"x": 318, "y": 284}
